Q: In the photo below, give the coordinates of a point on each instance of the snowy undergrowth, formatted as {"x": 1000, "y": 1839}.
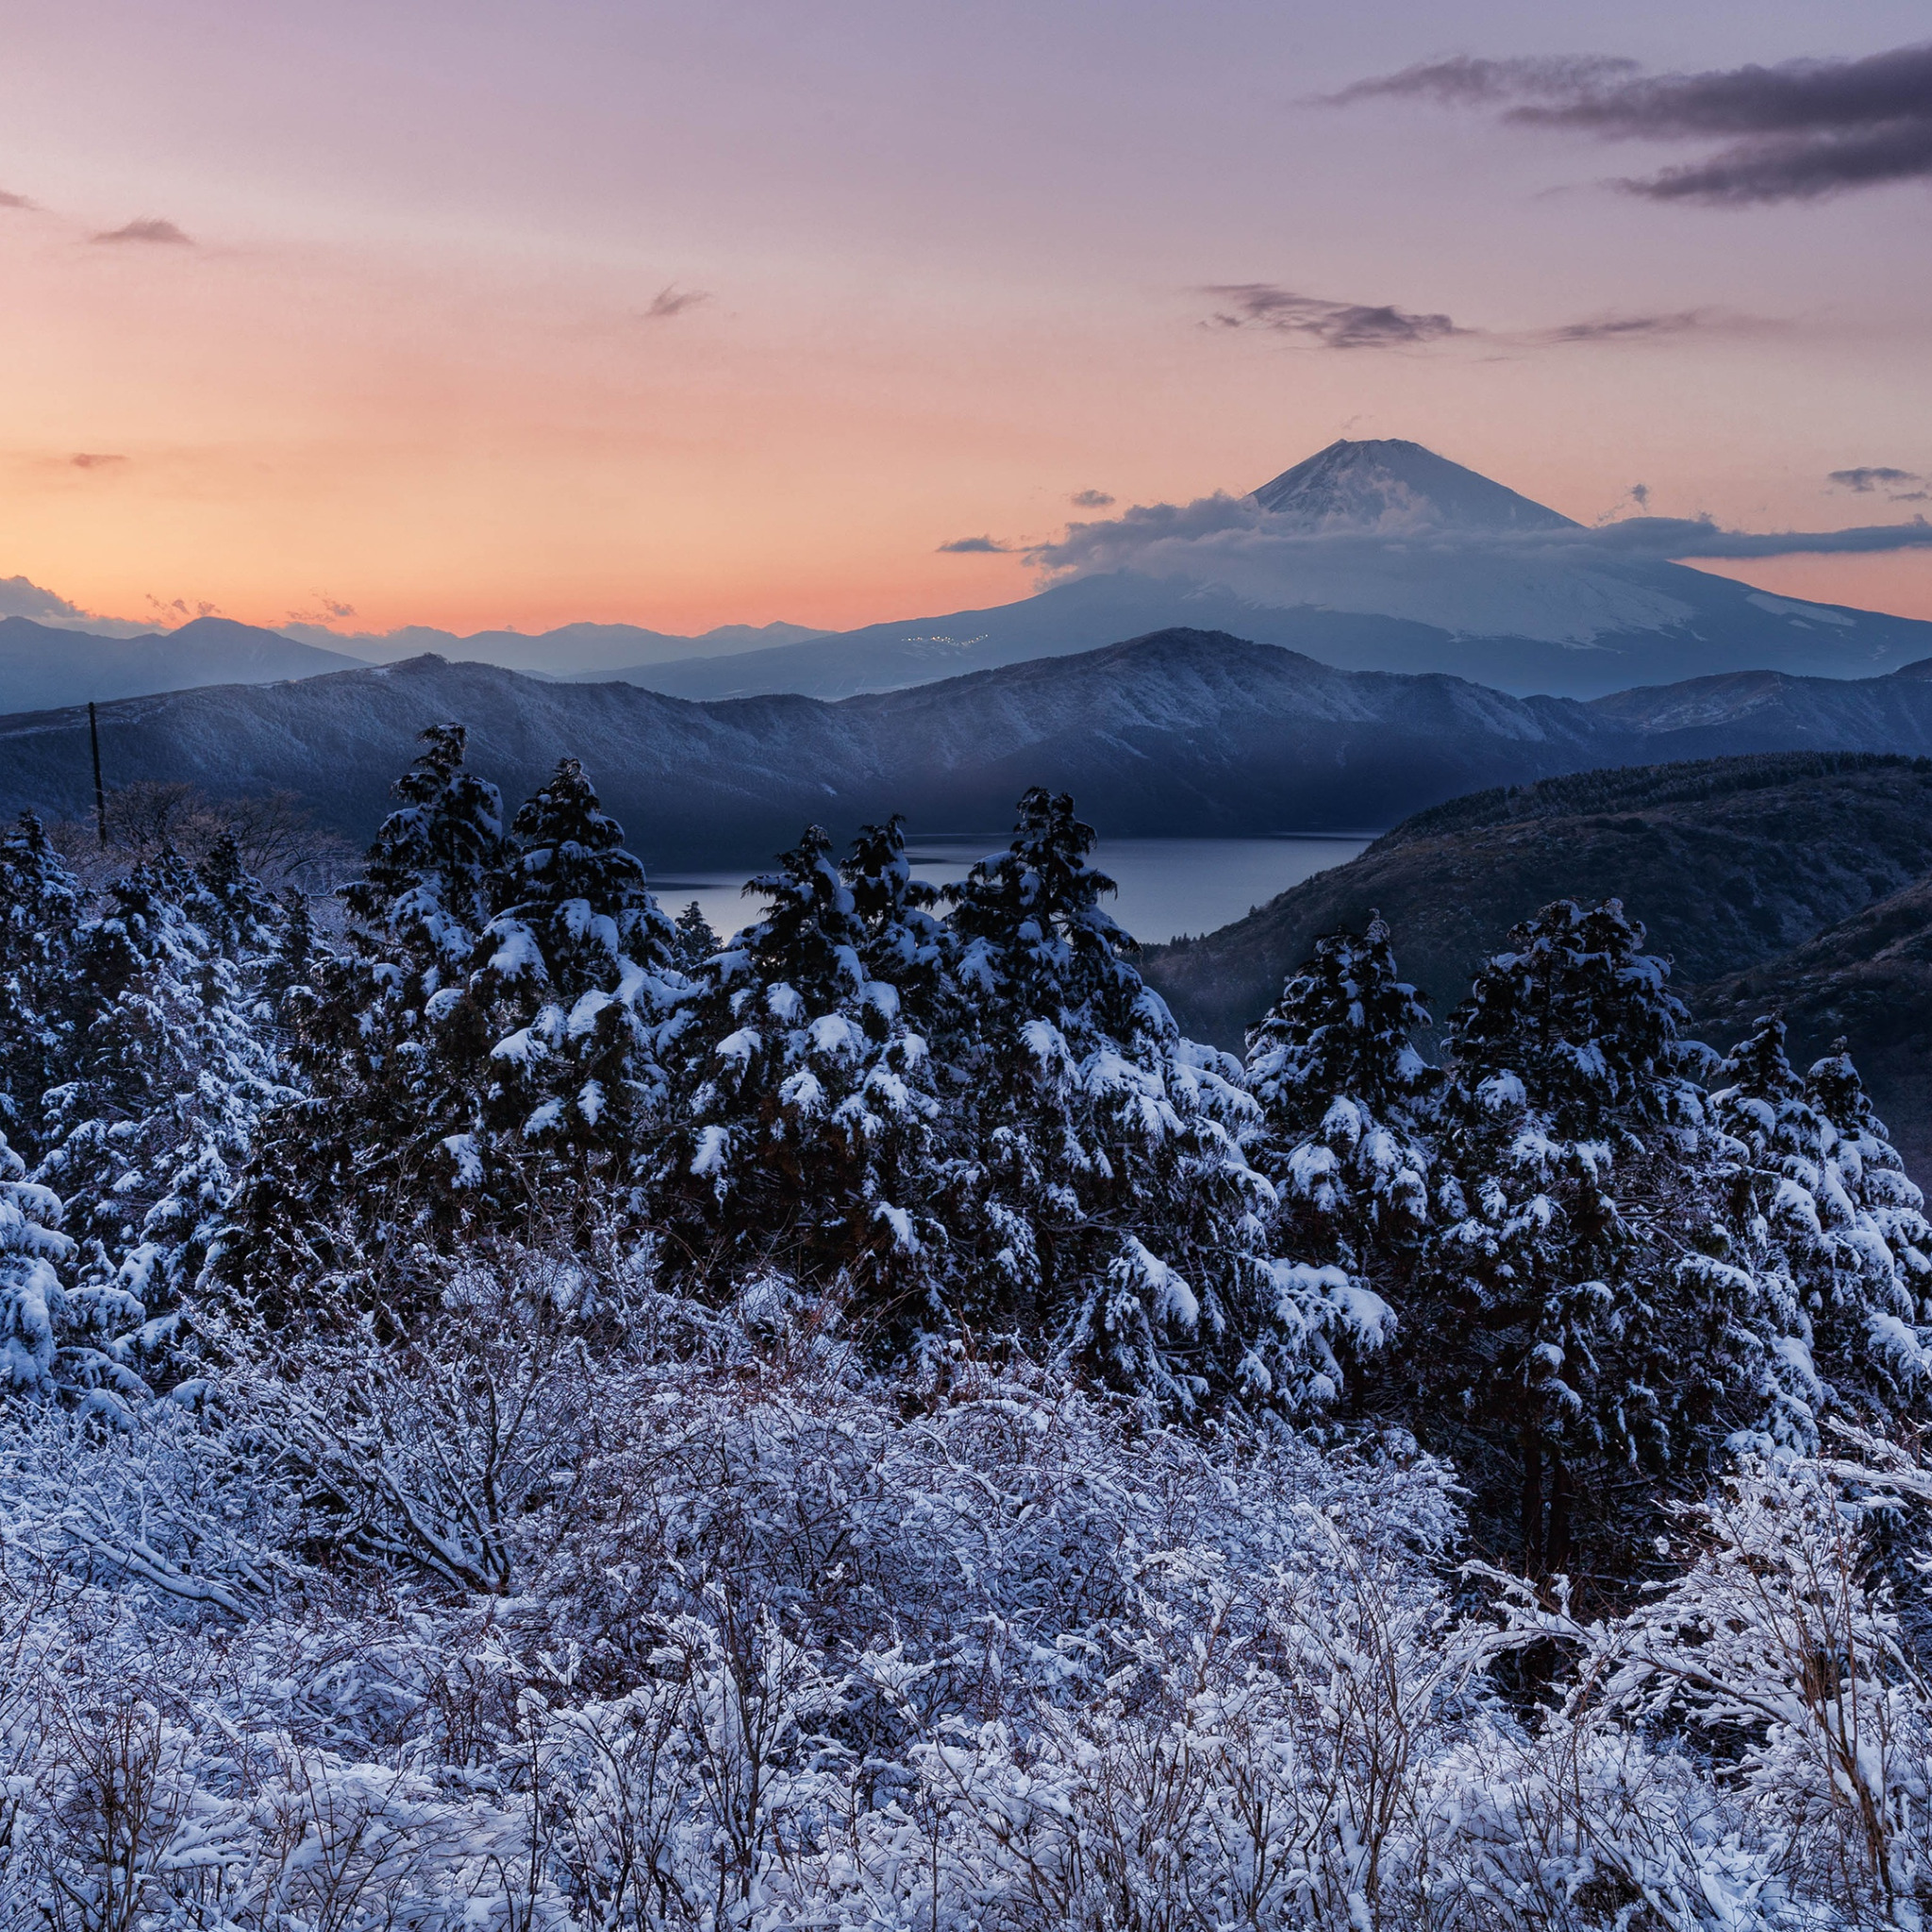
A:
{"x": 570, "y": 1614}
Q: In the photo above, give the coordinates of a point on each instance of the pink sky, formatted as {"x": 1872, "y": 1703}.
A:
{"x": 950, "y": 258}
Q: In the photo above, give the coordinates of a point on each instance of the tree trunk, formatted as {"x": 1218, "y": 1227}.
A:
{"x": 1557, "y": 1551}
{"x": 1532, "y": 1502}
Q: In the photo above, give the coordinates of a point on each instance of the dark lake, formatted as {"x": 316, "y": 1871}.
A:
{"x": 1167, "y": 886}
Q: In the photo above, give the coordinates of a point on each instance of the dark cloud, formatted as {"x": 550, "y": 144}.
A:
{"x": 1333, "y": 325}
{"x": 1213, "y": 532}
{"x": 1897, "y": 486}
{"x": 95, "y": 460}
{"x": 974, "y": 546}
{"x": 328, "y": 611}
{"x": 1790, "y": 132}
{"x": 1469, "y": 82}
{"x": 1091, "y": 499}
{"x": 670, "y": 301}
{"x": 14, "y": 200}
{"x": 1679, "y": 537}
{"x": 149, "y": 228}
{"x": 1366, "y": 325}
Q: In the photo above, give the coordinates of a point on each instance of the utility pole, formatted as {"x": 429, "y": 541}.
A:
{"x": 93, "y": 732}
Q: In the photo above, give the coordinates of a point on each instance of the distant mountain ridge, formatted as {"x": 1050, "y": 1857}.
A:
{"x": 1180, "y": 732}
{"x": 569, "y": 650}
{"x": 43, "y": 665}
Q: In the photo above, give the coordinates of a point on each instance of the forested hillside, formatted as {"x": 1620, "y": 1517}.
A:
{"x": 1732, "y": 861}
{"x": 520, "y": 1417}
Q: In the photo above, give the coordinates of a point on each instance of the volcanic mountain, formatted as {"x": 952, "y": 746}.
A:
{"x": 1369, "y": 556}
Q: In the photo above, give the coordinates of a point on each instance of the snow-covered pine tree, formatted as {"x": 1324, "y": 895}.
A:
{"x": 1874, "y": 1304}
{"x": 1570, "y": 1320}
{"x": 1822, "y": 1218}
{"x": 803, "y": 1142}
{"x": 578, "y": 976}
{"x": 1345, "y": 1099}
{"x": 232, "y": 906}
{"x": 1098, "y": 1188}
{"x": 297, "y": 952}
{"x": 356, "y": 1186}
{"x": 33, "y": 1301}
{"x": 696, "y": 940}
{"x": 905, "y": 946}
{"x": 41, "y": 903}
{"x": 149, "y": 1132}
{"x": 1769, "y": 1142}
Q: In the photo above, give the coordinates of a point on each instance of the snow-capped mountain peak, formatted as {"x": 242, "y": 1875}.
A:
{"x": 1388, "y": 483}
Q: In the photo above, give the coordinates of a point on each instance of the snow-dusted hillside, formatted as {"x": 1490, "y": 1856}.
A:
{"x": 1181, "y": 732}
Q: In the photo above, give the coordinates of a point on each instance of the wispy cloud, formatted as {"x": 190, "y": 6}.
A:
{"x": 1896, "y": 486}
{"x": 95, "y": 460}
{"x": 1794, "y": 131}
{"x": 149, "y": 228}
{"x": 1626, "y": 328}
{"x": 1091, "y": 499}
{"x": 328, "y": 611}
{"x": 1332, "y": 324}
{"x": 179, "y": 611}
{"x": 974, "y": 546}
{"x": 8, "y": 200}
{"x": 671, "y": 300}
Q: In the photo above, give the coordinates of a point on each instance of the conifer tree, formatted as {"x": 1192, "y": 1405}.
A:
{"x": 155, "y": 1120}
{"x": 696, "y": 940}
{"x": 33, "y": 1302}
{"x": 1822, "y": 1216}
{"x": 297, "y": 953}
{"x": 905, "y": 944}
{"x": 40, "y": 903}
{"x": 578, "y": 976}
{"x": 239, "y": 916}
{"x": 1099, "y": 1188}
{"x": 804, "y": 1143}
{"x": 1769, "y": 1146}
{"x": 1872, "y": 1305}
{"x": 1575, "y": 1317}
{"x": 356, "y": 1188}
{"x": 1345, "y": 1099}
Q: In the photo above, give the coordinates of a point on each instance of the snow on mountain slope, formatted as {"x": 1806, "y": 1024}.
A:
{"x": 1387, "y": 484}
{"x": 41, "y": 666}
{"x": 1769, "y": 710}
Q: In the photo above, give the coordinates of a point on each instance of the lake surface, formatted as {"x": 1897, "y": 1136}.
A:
{"x": 1167, "y": 886}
